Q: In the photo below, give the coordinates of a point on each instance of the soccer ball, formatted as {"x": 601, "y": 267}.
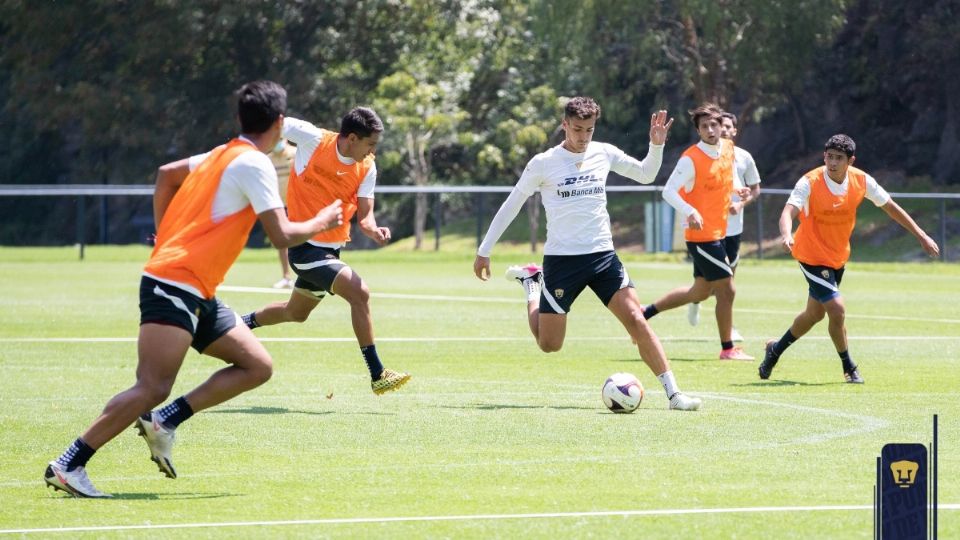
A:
{"x": 622, "y": 393}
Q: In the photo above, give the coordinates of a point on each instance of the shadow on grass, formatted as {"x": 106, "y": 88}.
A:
{"x": 497, "y": 407}
{"x": 267, "y": 410}
{"x": 782, "y": 382}
{"x": 171, "y": 496}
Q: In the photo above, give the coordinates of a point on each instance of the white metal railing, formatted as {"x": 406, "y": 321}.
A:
{"x": 82, "y": 191}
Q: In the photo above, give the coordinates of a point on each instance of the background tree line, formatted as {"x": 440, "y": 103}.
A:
{"x": 105, "y": 91}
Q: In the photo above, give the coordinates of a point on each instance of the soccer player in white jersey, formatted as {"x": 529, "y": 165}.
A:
{"x": 745, "y": 174}
{"x": 571, "y": 179}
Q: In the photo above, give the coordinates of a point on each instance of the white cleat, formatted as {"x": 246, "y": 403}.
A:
{"x": 735, "y": 335}
{"x": 683, "y": 402}
{"x": 523, "y": 273}
{"x": 75, "y": 482}
{"x": 284, "y": 283}
{"x": 693, "y": 313}
{"x": 160, "y": 440}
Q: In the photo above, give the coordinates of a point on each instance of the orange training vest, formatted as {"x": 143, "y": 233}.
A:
{"x": 324, "y": 180}
{"x": 823, "y": 236}
{"x": 191, "y": 248}
{"x": 712, "y": 192}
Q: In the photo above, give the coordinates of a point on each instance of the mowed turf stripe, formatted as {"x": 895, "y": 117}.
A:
{"x": 521, "y": 300}
{"x": 475, "y": 517}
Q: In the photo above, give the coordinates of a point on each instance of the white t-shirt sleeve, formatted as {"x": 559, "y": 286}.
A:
{"x": 644, "y": 172}
{"x": 528, "y": 184}
{"x": 751, "y": 176}
{"x": 368, "y": 183}
{"x": 682, "y": 177}
{"x": 876, "y": 193}
{"x": 194, "y": 161}
{"x": 307, "y": 138}
{"x": 250, "y": 179}
{"x": 800, "y": 196}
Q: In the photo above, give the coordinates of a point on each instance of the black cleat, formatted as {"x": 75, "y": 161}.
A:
{"x": 769, "y": 360}
{"x": 853, "y": 376}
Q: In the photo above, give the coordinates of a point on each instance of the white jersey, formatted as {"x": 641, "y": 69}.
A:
{"x": 744, "y": 175}
{"x": 250, "y": 179}
{"x": 573, "y": 191}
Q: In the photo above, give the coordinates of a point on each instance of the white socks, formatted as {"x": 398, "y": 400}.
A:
{"x": 669, "y": 383}
{"x": 532, "y": 286}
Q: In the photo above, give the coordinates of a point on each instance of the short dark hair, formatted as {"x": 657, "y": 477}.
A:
{"x": 841, "y": 143}
{"x": 731, "y": 116}
{"x": 360, "y": 120}
{"x": 259, "y": 104}
{"x": 581, "y": 108}
{"x": 710, "y": 110}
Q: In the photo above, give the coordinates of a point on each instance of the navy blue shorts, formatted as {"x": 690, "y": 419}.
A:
{"x": 565, "y": 277}
{"x": 206, "y": 320}
{"x": 731, "y": 245}
{"x": 710, "y": 260}
{"x": 824, "y": 281}
{"x": 316, "y": 268}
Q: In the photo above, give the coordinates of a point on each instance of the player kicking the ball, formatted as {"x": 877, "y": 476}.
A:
{"x": 571, "y": 179}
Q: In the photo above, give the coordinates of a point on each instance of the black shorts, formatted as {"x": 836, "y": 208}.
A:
{"x": 710, "y": 260}
{"x": 206, "y": 320}
{"x": 824, "y": 281}
{"x": 731, "y": 245}
{"x": 565, "y": 277}
{"x": 316, "y": 268}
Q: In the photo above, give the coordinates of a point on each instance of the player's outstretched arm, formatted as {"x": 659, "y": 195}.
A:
{"x": 901, "y": 216}
{"x": 786, "y": 225}
{"x": 169, "y": 179}
{"x": 285, "y": 233}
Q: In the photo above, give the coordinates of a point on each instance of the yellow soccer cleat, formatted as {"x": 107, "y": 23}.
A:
{"x": 389, "y": 380}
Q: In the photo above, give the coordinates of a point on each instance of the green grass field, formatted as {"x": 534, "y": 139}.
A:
{"x": 492, "y": 438}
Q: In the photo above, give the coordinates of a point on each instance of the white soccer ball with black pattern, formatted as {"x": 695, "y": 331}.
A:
{"x": 622, "y": 393}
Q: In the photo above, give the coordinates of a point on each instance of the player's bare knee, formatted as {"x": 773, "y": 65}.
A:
{"x": 297, "y": 316}
{"x": 549, "y": 346}
{"x": 261, "y": 371}
{"x": 154, "y": 393}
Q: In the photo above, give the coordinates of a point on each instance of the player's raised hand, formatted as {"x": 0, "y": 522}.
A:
{"x": 481, "y": 267}
{"x": 659, "y": 126}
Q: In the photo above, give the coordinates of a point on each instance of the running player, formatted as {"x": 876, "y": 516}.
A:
{"x": 579, "y": 253}
{"x": 701, "y": 189}
{"x": 826, "y": 200}
{"x": 328, "y": 166}
{"x": 744, "y": 175}
{"x": 204, "y": 208}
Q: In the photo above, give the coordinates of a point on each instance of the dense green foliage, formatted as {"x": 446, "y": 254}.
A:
{"x": 99, "y": 91}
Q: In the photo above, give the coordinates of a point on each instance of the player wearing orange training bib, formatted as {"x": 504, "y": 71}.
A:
{"x": 826, "y": 201}
{"x": 701, "y": 188}
{"x": 204, "y": 207}
{"x": 333, "y": 165}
